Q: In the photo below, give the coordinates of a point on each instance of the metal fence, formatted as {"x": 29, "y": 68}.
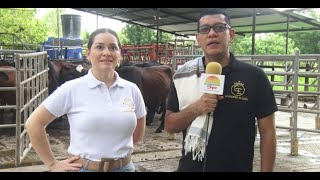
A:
{"x": 30, "y": 88}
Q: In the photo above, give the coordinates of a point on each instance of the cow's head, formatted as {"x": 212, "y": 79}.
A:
{"x": 63, "y": 71}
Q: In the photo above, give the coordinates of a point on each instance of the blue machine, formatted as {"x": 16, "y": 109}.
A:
{"x": 69, "y": 48}
{"x": 70, "y": 45}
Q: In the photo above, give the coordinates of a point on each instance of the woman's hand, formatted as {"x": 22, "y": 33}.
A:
{"x": 66, "y": 165}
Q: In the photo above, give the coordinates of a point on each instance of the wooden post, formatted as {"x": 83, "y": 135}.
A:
{"x": 153, "y": 56}
{"x": 306, "y": 80}
{"x": 294, "y": 140}
{"x": 317, "y": 123}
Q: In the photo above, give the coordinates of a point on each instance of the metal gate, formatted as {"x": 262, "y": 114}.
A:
{"x": 31, "y": 89}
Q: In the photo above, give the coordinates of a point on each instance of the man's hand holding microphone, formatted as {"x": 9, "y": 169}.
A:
{"x": 208, "y": 101}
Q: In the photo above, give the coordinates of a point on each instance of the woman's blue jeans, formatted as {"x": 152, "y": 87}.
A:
{"x": 127, "y": 168}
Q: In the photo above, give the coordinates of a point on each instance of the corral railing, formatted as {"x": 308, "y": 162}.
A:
{"x": 31, "y": 72}
{"x": 12, "y": 41}
{"x": 164, "y": 55}
{"x": 292, "y": 77}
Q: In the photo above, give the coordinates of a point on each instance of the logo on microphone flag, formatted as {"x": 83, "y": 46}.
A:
{"x": 212, "y": 83}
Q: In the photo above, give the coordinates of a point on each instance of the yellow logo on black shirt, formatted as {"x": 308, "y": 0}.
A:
{"x": 237, "y": 90}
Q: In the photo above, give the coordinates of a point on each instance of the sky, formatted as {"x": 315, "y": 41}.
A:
{"x": 88, "y": 21}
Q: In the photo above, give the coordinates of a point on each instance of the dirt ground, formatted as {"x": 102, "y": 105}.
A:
{"x": 156, "y": 153}
{"x": 59, "y": 140}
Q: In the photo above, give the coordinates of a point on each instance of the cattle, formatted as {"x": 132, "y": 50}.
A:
{"x": 61, "y": 71}
{"x": 154, "y": 82}
{"x": 7, "y": 79}
{"x": 162, "y": 107}
{"x": 8, "y": 97}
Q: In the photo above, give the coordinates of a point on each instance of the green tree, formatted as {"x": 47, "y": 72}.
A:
{"x": 265, "y": 45}
{"x": 50, "y": 19}
{"x": 122, "y": 37}
{"x": 22, "y": 23}
{"x": 85, "y": 36}
{"x": 308, "y": 42}
{"x": 135, "y": 34}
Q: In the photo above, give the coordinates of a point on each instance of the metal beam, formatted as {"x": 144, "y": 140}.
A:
{"x": 297, "y": 18}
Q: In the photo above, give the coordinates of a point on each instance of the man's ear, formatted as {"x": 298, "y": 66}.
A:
{"x": 232, "y": 35}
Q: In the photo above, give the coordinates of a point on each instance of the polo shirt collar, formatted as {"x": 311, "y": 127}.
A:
{"x": 225, "y": 70}
{"x": 94, "y": 82}
{"x": 233, "y": 64}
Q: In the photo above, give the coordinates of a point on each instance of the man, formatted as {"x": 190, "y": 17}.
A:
{"x": 226, "y": 143}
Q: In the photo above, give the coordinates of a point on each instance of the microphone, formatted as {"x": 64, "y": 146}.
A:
{"x": 212, "y": 82}
{"x": 213, "y": 68}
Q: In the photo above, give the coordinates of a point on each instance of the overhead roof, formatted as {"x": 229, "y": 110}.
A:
{"x": 183, "y": 21}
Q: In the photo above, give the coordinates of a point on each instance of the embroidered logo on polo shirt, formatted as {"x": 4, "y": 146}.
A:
{"x": 237, "y": 90}
{"x": 128, "y": 105}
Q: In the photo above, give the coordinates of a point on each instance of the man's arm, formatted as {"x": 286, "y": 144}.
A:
{"x": 267, "y": 142}
{"x": 175, "y": 122}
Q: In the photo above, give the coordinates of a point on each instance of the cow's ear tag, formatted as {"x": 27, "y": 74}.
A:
{"x": 79, "y": 68}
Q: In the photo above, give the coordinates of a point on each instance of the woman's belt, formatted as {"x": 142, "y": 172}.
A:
{"x": 104, "y": 165}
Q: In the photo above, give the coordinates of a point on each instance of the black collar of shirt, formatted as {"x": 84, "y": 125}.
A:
{"x": 227, "y": 69}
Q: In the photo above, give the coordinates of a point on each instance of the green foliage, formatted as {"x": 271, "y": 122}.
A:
{"x": 135, "y": 34}
{"x": 307, "y": 42}
{"x": 85, "y": 36}
{"x": 22, "y": 23}
{"x": 301, "y": 82}
{"x": 270, "y": 44}
{"x": 50, "y": 19}
{"x": 122, "y": 37}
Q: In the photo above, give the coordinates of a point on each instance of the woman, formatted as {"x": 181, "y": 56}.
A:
{"x": 106, "y": 114}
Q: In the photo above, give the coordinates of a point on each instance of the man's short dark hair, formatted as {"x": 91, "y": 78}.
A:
{"x": 214, "y": 11}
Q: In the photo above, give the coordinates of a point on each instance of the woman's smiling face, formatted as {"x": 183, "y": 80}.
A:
{"x": 105, "y": 52}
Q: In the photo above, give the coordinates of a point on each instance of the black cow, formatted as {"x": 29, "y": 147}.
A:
{"x": 61, "y": 71}
{"x": 8, "y": 97}
{"x": 154, "y": 83}
{"x": 7, "y": 79}
{"x": 162, "y": 107}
